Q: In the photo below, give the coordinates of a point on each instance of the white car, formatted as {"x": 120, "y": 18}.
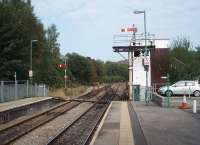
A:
{"x": 182, "y": 87}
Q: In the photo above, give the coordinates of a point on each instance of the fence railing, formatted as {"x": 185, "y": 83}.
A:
{"x": 14, "y": 90}
{"x": 141, "y": 94}
{"x": 156, "y": 86}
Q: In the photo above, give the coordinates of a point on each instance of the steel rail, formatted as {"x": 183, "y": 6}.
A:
{"x": 91, "y": 133}
{"x": 52, "y": 140}
{"x": 59, "y": 134}
{"x": 95, "y": 126}
{"x": 5, "y": 133}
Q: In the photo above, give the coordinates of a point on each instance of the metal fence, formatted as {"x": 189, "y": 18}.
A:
{"x": 14, "y": 90}
{"x": 156, "y": 86}
{"x": 139, "y": 93}
{"x": 149, "y": 93}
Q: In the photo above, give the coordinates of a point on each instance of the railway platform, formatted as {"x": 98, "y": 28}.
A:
{"x": 168, "y": 126}
{"x": 135, "y": 123}
{"x": 115, "y": 128}
{"x": 21, "y": 103}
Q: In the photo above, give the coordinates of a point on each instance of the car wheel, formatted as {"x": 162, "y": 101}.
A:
{"x": 168, "y": 92}
{"x": 196, "y": 93}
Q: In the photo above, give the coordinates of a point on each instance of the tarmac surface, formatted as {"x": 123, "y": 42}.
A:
{"x": 168, "y": 126}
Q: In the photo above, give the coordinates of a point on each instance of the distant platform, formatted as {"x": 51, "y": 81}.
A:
{"x": 21, "y": 103}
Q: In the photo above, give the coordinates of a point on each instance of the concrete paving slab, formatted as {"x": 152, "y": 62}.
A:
{"x": 167, "y": 126}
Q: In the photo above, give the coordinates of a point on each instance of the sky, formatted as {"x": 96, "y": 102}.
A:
{"x": 87, "y": 26}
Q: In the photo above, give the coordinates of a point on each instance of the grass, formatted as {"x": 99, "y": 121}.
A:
{"x": 68, "y": 93}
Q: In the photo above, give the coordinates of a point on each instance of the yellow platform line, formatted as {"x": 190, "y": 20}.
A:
{"x": 126, "y": 134}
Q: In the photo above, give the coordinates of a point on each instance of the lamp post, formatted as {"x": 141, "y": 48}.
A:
{"x": 31, "y": 64}
{"x": 145, "y": 53}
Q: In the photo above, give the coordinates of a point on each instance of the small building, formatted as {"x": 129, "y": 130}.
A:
{"x": 154, "y": 72}
{"x": 134, "y": 45}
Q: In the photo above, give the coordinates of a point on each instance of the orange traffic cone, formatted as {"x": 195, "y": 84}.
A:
{"x": 184, "y": 104}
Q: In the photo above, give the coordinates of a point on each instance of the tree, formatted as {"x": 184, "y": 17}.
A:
{"x": 100, "y": 69}
{"x": 93, "y": 72}
{"x": 52, "y": 42}
{"x": 80, "y": 67}
{"x": 116, "y": 71}
{"x": 49, "y": 73}
{"x": 184, "y": 61}
{"x": 18, "y": 26}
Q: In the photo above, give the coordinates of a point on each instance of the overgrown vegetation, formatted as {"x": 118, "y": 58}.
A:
{"x": 183, "y": 61}
{"x": 86, "y": 70}
{"x": 19, "y": 25}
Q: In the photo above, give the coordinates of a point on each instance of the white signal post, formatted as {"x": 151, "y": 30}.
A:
{"x": 65, "y": 72}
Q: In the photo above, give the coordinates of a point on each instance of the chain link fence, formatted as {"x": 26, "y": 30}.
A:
{"x": 15, "y": 90}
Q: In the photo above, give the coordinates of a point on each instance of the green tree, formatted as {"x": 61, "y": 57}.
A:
{"x": 100, "y": 69}
{"x": 80, "y": 67}
{"x": 52, "y": 41}
{"x": 184, "y": 62}
{"x": 18, "y": 25}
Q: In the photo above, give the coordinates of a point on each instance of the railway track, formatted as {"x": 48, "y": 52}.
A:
{"x": 80, "y": 131}
{"x": 18, "y": 129}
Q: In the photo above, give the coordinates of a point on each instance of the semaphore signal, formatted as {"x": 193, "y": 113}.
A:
{"x": 61, "y": 66}
{"x": 129, "y": 29}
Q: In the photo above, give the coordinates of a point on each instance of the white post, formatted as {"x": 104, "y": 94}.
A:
{"x": 15, "y": 85}
{"x": 194, "y": 106}
{"x": 44, "y": 90}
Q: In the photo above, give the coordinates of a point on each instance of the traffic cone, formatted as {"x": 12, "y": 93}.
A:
{"x": 184, "y": 104}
